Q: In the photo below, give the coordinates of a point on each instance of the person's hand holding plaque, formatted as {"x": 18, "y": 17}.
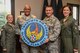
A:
{"x": 4, "y": 50}
{"x": 47, "y": 40}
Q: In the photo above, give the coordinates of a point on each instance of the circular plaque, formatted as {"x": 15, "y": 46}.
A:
{"x": 34, "y": 32}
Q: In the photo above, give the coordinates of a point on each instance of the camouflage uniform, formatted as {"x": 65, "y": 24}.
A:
{"x": 8, "y": 38}
{"x": 20, "y": 21}
{"x": 69, "y": 35}
{"x": 54, "y": 31}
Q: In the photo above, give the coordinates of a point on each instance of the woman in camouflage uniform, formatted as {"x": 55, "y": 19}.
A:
{"x": 69, "y": 31}
{"x": 8, "y": 38}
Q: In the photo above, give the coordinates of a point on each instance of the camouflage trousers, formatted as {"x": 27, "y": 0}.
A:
{"x": 27, "y": 49}
{"x": 53, "y": 47}
{"x": 10, "y": 49}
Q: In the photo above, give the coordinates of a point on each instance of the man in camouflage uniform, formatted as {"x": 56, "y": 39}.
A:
{"x": 54, "y": 31}
{"x": 20, "y": 21}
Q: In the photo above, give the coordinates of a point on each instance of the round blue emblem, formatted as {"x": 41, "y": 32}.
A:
{"x": 34, "y": 32}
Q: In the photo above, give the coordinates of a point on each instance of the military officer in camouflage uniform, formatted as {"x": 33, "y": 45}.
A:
{"x": 69, "y": 31}
{"x": 8, "y": 37}
{"x": 54, "y": 30}
{"x": 20, "y": 21}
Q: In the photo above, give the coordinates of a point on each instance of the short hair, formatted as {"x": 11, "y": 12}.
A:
{"x": 8, "y": 15}
{"x": 69, "y": 9}
{"x": 48, "y": 6}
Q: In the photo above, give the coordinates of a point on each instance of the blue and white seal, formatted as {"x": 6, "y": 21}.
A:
{"x": 34, "y": 32}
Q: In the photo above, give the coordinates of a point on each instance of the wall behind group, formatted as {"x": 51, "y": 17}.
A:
{"x": 36, "y": 6}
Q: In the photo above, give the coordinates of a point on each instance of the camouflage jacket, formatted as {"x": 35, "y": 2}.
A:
{"x": 8, "y": 36}
{"x": 69, "y": 29}
{"x": 54, "y": 27}
{"x": 21, "y": 20}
